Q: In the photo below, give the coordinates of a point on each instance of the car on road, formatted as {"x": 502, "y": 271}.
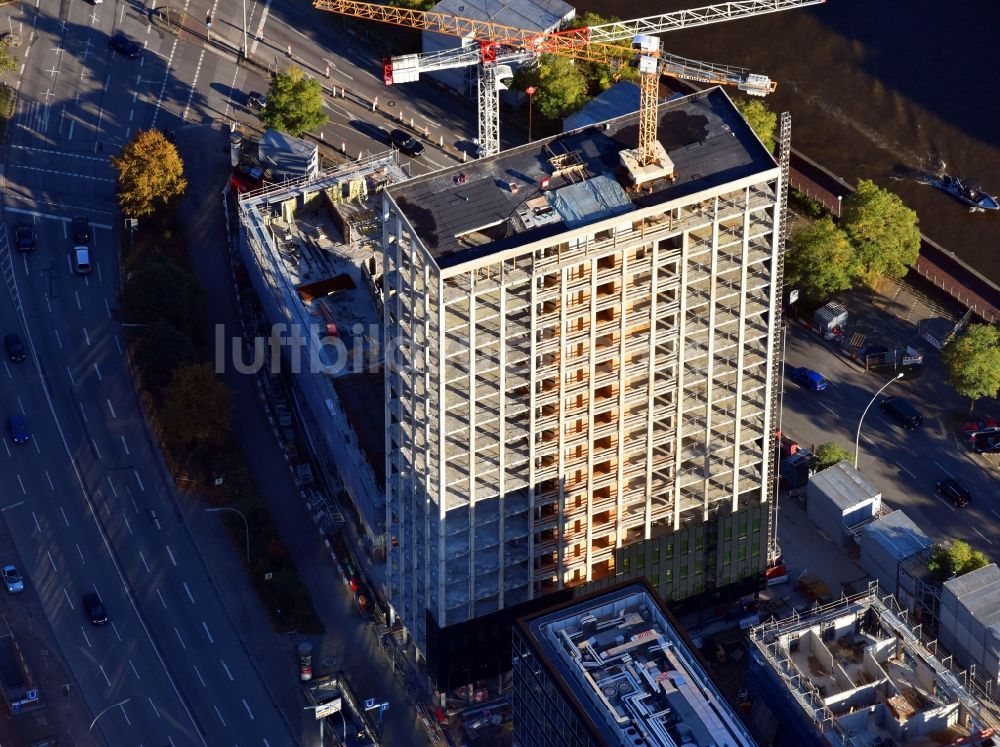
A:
{"x": 12, "y": 579}
{"x": 81, "y": 260}
{"x": 17, "y": 429}
{"x": 25, "y": 238}
{"x": 124, "y": 46}
{"x": 94, "y": 608}
{"x": 15, "y": 348}
{"x": 256, "y": 100}
{"x": 809, "y": 379}
{"x": 405, "y": 142}
{"x": 902, "y": 412}
{"x": 952, "y": 490}
{"x": 985, "y": 442}
{"x": 81, "y": 230}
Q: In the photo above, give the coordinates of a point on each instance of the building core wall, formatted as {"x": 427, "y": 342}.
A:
{"x": 567, "y": 398}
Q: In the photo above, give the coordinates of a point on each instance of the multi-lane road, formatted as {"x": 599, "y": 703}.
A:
{"x": 904, "y": 465}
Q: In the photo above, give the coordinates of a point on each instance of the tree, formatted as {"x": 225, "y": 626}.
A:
{"x": 294, "y": 103}
{"x": 150, "y": 174}
{"x": 831, "y": 453}
{"x": 883, "y": 230}
{"x": 560, "y": 87}
{"x": 162, "y": 291}
{"x": 973, "y": 362}
{"x": 601, "y": 76}
{"x": 954, "y": 559}
{"x": 196, "y": 408}
{"x": 7, "y": 61}
{"x": 158, "y": 350}
{"x": 821, "y": 260}
{"x": 761, "y": 119}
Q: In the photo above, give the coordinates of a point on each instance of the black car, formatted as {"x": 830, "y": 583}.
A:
{"x": 405, "y": 142}
{"x": 15, "y": 348}
{"x": 81, "y": 230}
{"x": 256, "y": 101}
{"x": 985, "y": 442}
{"x": 95, "y": 608}
{"x": 124, "y": 46}
{"x": 954, "y": 491}
{"x": 902, "y": 412}
{"x": 24, "y": 237}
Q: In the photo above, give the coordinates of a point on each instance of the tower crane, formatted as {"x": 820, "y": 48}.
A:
{"x": 497, "y": 45}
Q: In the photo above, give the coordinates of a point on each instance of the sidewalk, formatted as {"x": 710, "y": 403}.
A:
{"x": 349, "y": 643}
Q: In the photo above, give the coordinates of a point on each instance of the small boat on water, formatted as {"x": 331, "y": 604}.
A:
{"x": 972, "y": 195}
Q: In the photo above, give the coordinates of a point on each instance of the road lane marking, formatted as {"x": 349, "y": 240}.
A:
{"x": 79, "y": 307}
{"x": 64, "y": 515}
{"x": 54, "y": 569}
{"x": 112, "y": 486}
{"x": 81, "y": 554}
{"x": 205, "y": 626}
{"x": 101, "y": 667}
{"x": 906, "y": 470}
{"x": 887, "y": 423}
{"x": 161, "y": 599}
{"x": 96, "y": 450}
{"x": 100, "y": 279}
{"x": 58, "y": 338}
{"x": 122, "y": 706}
{"x": 115, "y": 628}
{"x": 829, "y": 409}
{"x": 118, "y": 345}
{"x": 186, "y": 589}
{"x": 219, "y": 714}
{"x": 228, "y": 673}
{"x": 21, "y": 405}
{"x": 7, "y": 447}
{"x": 87, "y": 335}
{"x": 247, "y": 706}
{"x": 171, "y": 555}
{"x": 129, "y": 526}
{"x": 7, "y": 369}
{"x": 981, "y": 534}
{"x": 947, "y": 503}
{"x": 13, "y": 505}
{"x": 203, "y": 683}
{"x": 36, "y": 521}
{"x": 86, "y": 637}
{"x": 143, "y": 559}
{"x": 68, "y": 600}
{"x": 995, "y": 513}
{"x": 125, "y": 446}
{"x": 111, "y": 407}
{"x": 139, "y": 480}
{"x": 97, "y": 371}
{"x": 944, "y": 470}
{"x": 37, "y": 447}
{"x": 51, "y": 486}
{"x": 107, "y": 308}
{"x": 179, "y": 638}
{"x": 157, "y": 712}
{"x": 21, "y": 483}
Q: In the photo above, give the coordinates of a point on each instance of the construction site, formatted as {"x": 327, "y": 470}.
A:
{"x": 857, "y": 672}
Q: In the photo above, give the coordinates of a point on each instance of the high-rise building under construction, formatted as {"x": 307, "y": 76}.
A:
{"x": 581, "y": 370}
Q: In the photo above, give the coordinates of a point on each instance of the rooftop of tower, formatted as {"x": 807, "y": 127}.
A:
{"x": 476, "y": 209}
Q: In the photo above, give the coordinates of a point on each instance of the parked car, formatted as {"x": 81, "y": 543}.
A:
{"x": 12, "y": 579}
{"x": 256, "y": 100}
{"x": 94, "y": 608}
{"x": 81, "y": 260}
{"x": 952, "y": 490}
{"x": 978, "y": 426}
{"x": 15, "y": 348}
{"x": 809, "y": 379}
{"x": 81, "y": 230}
{"x": 902, "y": 412}
{"x": 985, "y": 442}
{"x": 17, "y": 429}
{"x": 124, "y": 46}
{"x": 405, "y": 142}
{"x": 25, "y": 238}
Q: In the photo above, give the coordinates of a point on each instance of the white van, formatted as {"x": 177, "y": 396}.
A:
{"x": 81, "y": 260}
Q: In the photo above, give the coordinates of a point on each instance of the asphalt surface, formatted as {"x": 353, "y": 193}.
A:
{"x": 904, "y": 465}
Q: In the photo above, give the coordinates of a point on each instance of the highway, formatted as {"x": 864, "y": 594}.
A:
{"x": 904, "y": 465}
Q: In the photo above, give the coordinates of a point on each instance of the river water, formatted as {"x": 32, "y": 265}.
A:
{"x": 877, "y": 89}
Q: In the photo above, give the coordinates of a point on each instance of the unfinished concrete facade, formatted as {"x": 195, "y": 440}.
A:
{"x": 577, "y": 365}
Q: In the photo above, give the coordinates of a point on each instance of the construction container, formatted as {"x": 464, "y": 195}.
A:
{"x": 969, "y": 621}
{"x": 887, "y": 542}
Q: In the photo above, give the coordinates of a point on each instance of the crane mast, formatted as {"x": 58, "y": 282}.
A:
{"x": 600, "y": 43}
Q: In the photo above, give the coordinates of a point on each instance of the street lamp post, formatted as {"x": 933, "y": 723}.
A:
{"x": 840, "y": 200}
{"x": 530, "y": 90}
{"x": 857, "y": 441}
{"x": 120, "y": 704}
{"x": 246, "y": 526}
{"x": 246, "y": 51}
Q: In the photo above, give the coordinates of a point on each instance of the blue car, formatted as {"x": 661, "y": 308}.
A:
{"x": 17, "y": 430}
{"x": 808, "y": 378}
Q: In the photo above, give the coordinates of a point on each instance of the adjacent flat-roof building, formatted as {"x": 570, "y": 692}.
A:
{"x": 839, "y": 498}
{"x": 969, "y": 621}
{"x": 886, "y": 544}
{"x": 582, "y": 380}
{"x": 615, "y": 669}
{"x": 856, "y": 672}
